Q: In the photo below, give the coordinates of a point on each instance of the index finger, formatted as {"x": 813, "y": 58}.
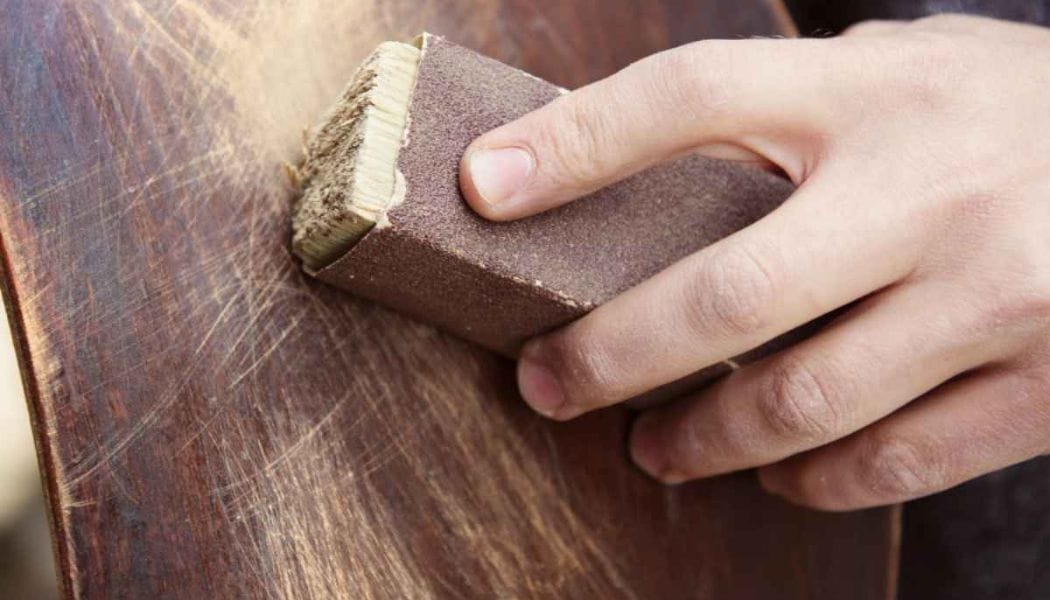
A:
{"x": 754, "y": 100}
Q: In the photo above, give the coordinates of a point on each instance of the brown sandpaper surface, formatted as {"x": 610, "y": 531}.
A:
{"x": 499, "y": 284}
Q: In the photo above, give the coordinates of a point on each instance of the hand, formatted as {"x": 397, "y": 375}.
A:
{"x": 922, "y": 157}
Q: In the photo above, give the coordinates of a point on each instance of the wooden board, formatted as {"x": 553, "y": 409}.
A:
{"x": 214, "y": 424}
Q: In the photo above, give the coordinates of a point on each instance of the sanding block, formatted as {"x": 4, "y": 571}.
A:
{"x": 381, "y": 214}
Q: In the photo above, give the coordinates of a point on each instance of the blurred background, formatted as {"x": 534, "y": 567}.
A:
{"x": 26, "y": 568}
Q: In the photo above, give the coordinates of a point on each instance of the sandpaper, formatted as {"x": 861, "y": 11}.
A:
{"x": 498, "y": 284}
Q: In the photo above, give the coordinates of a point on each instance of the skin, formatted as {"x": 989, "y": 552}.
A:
{"x": 921, "y": 152}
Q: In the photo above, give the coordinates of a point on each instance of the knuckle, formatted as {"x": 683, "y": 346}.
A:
{"x": 1032, "y": 388}
{"x": 1023, "y": 301}
{"x": 577, "y": 140}
{"x": 1035, "y": 386}
{"x": 695, "y": 78}
{"x": 685, "y": 448}
{"x": 972, "y": 201}
{"x": 926, "y": 81}
{"x": 729, "y": 293}
{"x": 1029, "y": 386}
{"x": 1025, "y": 312}
{"x": 798, "y": 403}
{"x": 925, "y": 72}
{"x": 898, "y": 468}
{"x": 585, "y": 367}
{"x": 1033, "y": 301}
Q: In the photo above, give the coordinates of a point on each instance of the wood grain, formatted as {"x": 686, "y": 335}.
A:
{"x": 213, "y": 424}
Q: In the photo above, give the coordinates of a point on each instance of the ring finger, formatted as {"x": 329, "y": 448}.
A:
{"x": 885, "y": 352}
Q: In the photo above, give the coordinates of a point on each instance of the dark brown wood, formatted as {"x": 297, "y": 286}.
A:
{"x": 212, "y": 424}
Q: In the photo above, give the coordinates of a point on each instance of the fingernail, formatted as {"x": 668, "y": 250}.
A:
{"x": 498, "y": 174}
{"x": 646, "y": 451}
{"x": 538, "y": 385}
{"x": 771, "y": 479}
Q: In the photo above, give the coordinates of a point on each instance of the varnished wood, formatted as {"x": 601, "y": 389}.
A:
{"x": 214, "y": 424}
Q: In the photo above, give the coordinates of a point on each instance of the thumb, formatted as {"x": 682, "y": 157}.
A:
{"x": 757, "y": 101}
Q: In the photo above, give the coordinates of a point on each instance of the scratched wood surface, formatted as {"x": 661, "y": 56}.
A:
{"x": 213, "y": 424}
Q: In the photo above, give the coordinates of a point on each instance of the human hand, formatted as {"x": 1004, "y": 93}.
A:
{"x": 922, "y": 156}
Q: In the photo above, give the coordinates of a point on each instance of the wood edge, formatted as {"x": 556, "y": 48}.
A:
{"x": 46, "y": 460}
{"x": 316, "y": 254}
{"x": 782, "y": 15}
{"x": 893, "y": 563}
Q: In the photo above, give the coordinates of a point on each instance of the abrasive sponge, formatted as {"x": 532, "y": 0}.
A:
{"x": 381, "y": 213}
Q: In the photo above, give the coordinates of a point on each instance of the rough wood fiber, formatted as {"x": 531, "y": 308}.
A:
{"x": 213, "y": 424}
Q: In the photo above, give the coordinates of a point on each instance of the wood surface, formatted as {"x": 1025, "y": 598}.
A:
{"x": 211, "y": 423}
